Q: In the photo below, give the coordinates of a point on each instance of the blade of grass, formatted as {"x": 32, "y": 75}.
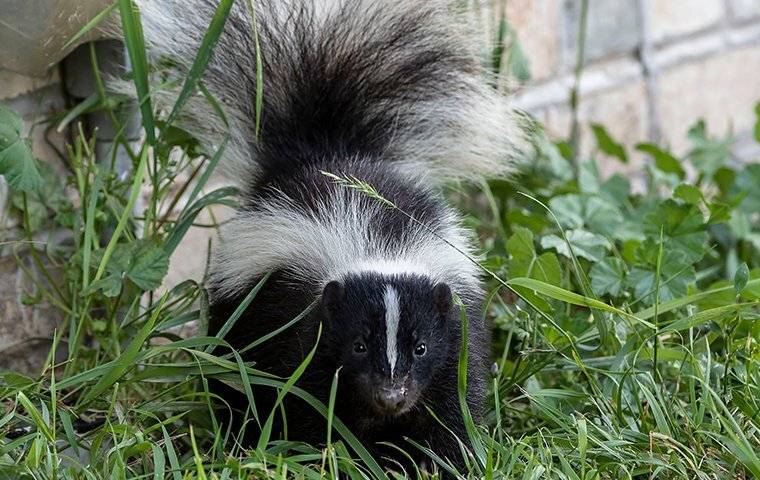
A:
{"x": 469, "y": 422}
{"x": 36, "y": 416}
{"x": 135, "y": 42}
{"x": 677, "y": 303}
{"x": 89, "y": 225}
{"x": 206, "y": 49}
{"x": 240, "y": 310}
{"x": 572, "y": 298}
{"x": 126, "y": 214}
{"x": 126, "y": 360}
{"x": 332, "y": 461}
{"x": 259, "y": 66}
{"x": 318, "y": 406}
{"x": 267, "y": 429}
{"x": 90, "y": 25}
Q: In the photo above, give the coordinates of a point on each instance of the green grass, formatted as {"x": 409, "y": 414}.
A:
{"x": 625, "y": 325}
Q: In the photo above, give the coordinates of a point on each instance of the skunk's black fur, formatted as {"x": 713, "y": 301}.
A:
{"x": 387, "y": 92}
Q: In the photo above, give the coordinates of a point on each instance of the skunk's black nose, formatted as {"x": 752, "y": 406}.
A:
{"x": 391, "y": 400}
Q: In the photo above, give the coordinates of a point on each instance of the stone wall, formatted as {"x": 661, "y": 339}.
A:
{"x": 25, "y": 331}
{"x": 653, "y": 68}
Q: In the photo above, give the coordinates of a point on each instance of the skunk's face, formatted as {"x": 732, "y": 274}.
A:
{"x": 390, "y": 335}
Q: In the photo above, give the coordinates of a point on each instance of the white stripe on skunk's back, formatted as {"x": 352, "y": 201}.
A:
{"x": 337, "y": 241}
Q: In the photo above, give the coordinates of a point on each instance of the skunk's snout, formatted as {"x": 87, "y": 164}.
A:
{"x": 391, "y": 400}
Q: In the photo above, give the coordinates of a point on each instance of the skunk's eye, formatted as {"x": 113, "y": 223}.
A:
{"x": 359, "y": 347}
{"x": 420, "y": 350}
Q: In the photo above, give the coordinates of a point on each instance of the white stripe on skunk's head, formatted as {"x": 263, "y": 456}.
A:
{"x": 391, "y": 334}
{"x": 392, "y": 318}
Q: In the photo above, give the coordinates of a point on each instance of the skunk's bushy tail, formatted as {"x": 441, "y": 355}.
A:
{"x": 385, "y": 80}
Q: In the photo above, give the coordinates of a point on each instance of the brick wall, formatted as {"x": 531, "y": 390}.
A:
{"x": 653, "y": 68}
{"x": 25, "y": 331}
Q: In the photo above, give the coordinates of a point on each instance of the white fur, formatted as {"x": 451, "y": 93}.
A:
{"x": 335, "y": 243}
{"x": 392, "y": 318}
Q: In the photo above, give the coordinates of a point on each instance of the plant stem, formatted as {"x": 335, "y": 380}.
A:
{"x": 575, "y": 131}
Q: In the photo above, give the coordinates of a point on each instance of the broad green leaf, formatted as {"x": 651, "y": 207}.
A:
{"x": 663, "y": 159}
{"x": 608, "y": 277}
{"x": 49, "y": 196}
{"x": 683, "y": 226}
{"x": 550, "y": 153}
{"x": 149, "y": 266}
{"x": 17, "y": 162}
{"x": 569, "y": 210}
{"x": 676, "y": 274}
{"x": 583, "y": 243}
{"x": 719, "y": 213}
{"x": 142, "y": 262}
{"x": 520, "y": 244}
{"x": 519, "y": 63}
{"x": 525, "y": 262}
{"x": 724, "y": 178}
{"x": 689, "y": 194}
{"x": 741, "y": 277}
{"x": 601, "y": 216}
{"x": 746, "y": 185}
{"x": 707, "y": 154}
{"x": 607, "y": 144}
{"x": 10, "y": 123}
{"x": 110, "y": 285}
{"x": 616, "y": 190}
{"x": 589, "y": 212}
{"x": 589, "y": 180}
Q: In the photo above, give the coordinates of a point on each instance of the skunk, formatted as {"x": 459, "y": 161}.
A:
{"x": 386, "y": 93}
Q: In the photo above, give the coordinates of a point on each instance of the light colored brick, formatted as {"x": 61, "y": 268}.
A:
{"x": 673, "y": 18}
{"x": 12, "y": 84}
{"x": 597, "y": 77}
{"x": 537, "y": 26}
{"x": 722, "y": 89}
{"x": 685, "y": 51}
{"x": 38, "y": 105}
{"x": 622, "y": 110}
{"x": 744, "y": 35}
{"x": 614, "y": 27}
{"x": 25, "y": 331}
{"x": 742, "y": 10}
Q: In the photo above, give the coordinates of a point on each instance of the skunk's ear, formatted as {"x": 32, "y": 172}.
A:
{"x": 332, "y": 296}
{"x": 442, "y": 298}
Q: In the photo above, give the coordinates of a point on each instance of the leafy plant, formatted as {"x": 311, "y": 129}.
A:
{"x": 17, "y": 163}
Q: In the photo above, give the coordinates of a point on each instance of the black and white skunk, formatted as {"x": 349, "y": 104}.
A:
{"x": 386, "y": 91}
